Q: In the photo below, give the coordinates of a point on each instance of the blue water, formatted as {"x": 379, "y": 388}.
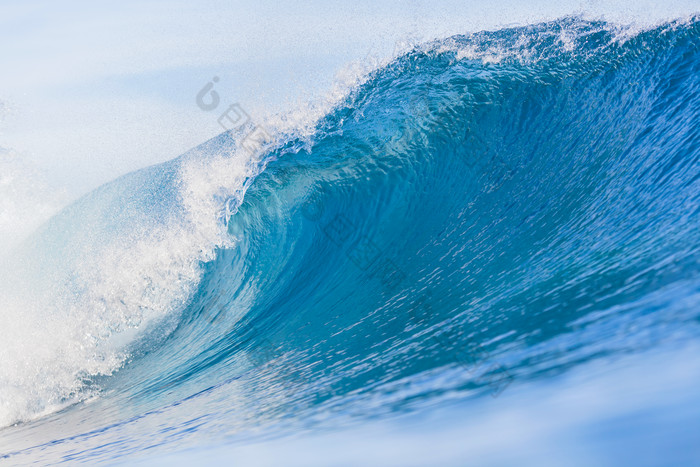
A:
{"x": 487, "y": 253}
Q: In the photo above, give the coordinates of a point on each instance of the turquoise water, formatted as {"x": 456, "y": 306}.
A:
{"x": 486, "y": 253}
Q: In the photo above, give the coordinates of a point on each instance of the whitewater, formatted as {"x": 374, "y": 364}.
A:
{"x": 485, "y": 240}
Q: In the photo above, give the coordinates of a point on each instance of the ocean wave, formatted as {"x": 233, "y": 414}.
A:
{"x": 481, "y": 211}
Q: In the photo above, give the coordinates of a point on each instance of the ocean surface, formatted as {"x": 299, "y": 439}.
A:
{"x": 486, "y": 252}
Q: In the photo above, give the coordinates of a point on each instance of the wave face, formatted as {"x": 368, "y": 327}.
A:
{"x": 483, "y": 213}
